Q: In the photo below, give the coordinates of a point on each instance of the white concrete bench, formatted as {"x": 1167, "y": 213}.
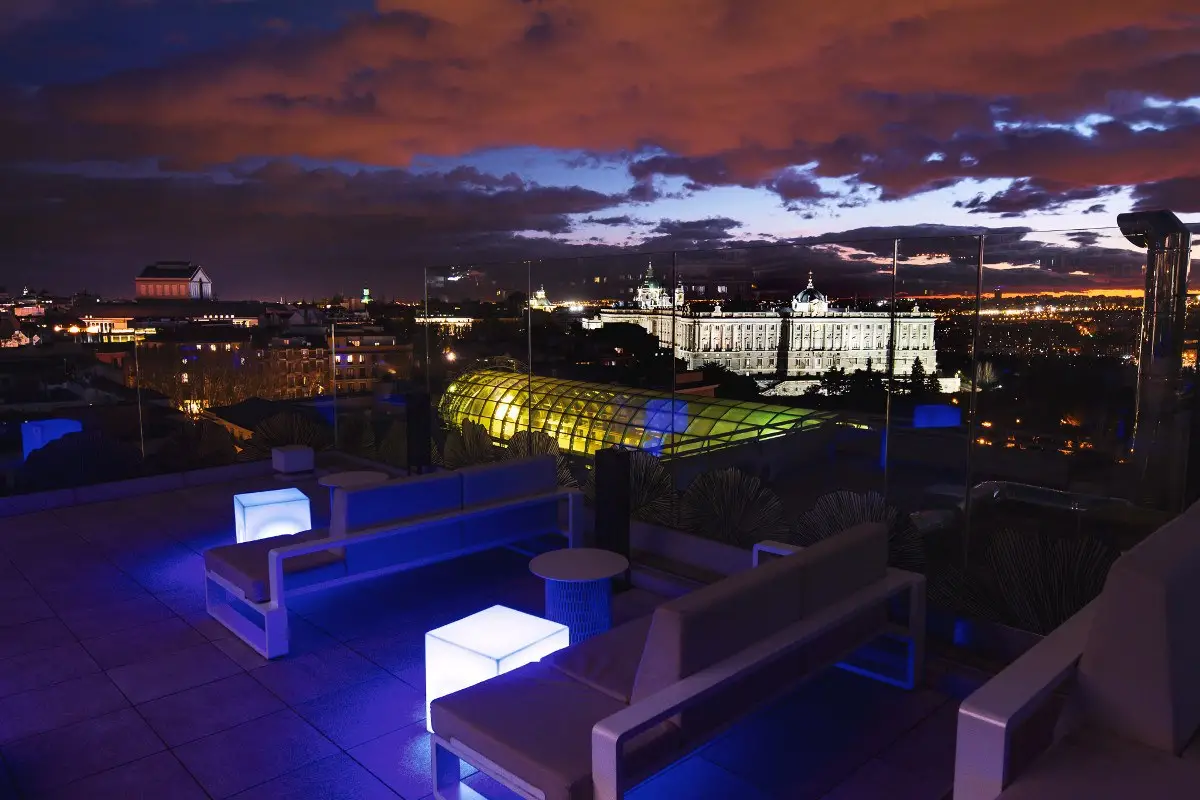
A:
{"x": 385, "y": 528}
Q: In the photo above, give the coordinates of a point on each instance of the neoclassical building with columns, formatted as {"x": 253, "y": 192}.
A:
{"x": 802, "y": 340}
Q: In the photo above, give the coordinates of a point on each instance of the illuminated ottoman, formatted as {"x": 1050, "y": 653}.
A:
{"x": 279, "y": 512}
{"x": 484, "y": 645}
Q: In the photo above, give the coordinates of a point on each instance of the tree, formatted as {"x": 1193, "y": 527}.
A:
{"x": 835, "y": 382}
{"x": 729, "y": 383}
{"x": 917, "y": 381}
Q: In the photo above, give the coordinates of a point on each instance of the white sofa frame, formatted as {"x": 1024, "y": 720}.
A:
{"x": 989, "y": 720}
{"x": 270, "y": 640}
{"x": 609, "y": 776}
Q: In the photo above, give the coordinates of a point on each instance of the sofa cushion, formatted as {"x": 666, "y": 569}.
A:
{"x": 245, "y": 564}
{"x": 394, "y": 501}
{"x": 1099, "y": 766}
{"x": 697, "y": 630}
{"x": 607, "y": 663}
{"x": 535, "y": 722}
{"x": 1139, "y": 680}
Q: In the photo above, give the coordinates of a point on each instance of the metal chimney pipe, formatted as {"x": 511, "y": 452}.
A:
{"x": 1159, "y": 441}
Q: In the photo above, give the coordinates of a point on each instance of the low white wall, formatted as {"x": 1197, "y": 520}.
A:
{"x": 116, "y": 490}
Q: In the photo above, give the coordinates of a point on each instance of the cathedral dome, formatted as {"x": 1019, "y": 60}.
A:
{"x": 810, "y": 294}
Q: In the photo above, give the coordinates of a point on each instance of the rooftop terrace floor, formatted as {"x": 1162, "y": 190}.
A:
{"x": 114, "y": 682}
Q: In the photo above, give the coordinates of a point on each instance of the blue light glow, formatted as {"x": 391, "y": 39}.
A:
{"x": 484, "y": 645}
{"x": 279, "y": 512}
{"x": 42, "y": 432}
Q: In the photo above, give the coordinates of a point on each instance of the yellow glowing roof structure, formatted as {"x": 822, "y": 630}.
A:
{"x": 585, "y": 417}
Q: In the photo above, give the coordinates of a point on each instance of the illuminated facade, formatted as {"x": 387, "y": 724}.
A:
{"x": 585, "y": 417}
{"x": 805, "y": 339}
{"x": 178, "y": 280}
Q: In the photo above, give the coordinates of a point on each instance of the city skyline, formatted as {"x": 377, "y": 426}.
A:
{"x": 315, "y": 151}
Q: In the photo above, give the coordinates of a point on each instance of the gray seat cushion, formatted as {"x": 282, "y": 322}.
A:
{"x": 535, "y": 722}
{"x": 245, "y": 564}
{"x": 608, "y": 662}
{"x": 1099, "y": 766}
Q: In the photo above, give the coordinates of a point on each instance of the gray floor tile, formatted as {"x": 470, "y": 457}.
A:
{"x": 880, "y": 779}
{"x": 76, "y": 751}
{"x": 401, "y": 760}
{"x": 365, "y": 711}
{"x": 62, "y": 704}
{"x": 254, "y": 752}
{"x": 303, "y": 638}
{"x": 296, "y": 679}
{"x": 27, "y": 637}
{"x": 337, "y": 777}
{"x": 394, "y": 652}
{"x": 211, "y": 708}
{"x": 143, "y": 642}
{"x": 44, "y": 668}
{"x": 24, "y": 607}
{"x": 173, "y": 672}
{"x": 156, "y": 777}
{"x": 696, "y": 779}
{"x": 99, "y": 620}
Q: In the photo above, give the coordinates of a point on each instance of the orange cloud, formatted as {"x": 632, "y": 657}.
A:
{"x": 872, "y": 90}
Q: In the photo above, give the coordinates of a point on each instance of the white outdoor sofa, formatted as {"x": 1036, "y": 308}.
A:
{"x": 383, "y": 528}
{"x": 597, "y": 718}
{"x": 1108, "y": 705}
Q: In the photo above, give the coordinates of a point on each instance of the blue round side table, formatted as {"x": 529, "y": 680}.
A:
{"x": 579, "y": 588}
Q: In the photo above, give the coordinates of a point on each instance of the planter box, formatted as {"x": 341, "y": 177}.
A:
{"x": 116, "y": 490}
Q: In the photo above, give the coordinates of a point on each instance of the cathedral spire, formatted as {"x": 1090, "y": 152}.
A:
{"x": 810, "y": 283}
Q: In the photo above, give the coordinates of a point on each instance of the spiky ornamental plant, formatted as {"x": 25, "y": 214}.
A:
{"x": 524, "y": 444}
{"x": 651, "y": 490}
{"x": 732, "y": 507}
{"x": 839, "y": 511}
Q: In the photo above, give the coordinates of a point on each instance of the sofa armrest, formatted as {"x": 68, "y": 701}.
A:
{"x": 610, "y": 734}
{"x": 988, "y": 718}
{"x": 772, "y": 548}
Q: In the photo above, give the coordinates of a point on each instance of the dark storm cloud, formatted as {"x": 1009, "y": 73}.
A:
{"x": 1084, "y": 238}
{"x": 279, "y": 223}
{"x": 711, "y": 229}
{"x": 1178, "y": 194}
{"x": 773, "y": 95}
{"x": 1025, "y": 196}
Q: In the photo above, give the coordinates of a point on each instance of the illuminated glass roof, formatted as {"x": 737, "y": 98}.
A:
{"x": 585, "y": 417}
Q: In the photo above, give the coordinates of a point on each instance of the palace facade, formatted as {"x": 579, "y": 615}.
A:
{"x": 804, "y": 339}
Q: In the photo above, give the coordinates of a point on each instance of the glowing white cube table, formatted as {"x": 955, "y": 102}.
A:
{"x": 279, "y": 512}
{"x": 484, "y": 645}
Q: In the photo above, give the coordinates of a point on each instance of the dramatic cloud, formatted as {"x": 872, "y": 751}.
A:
{"x": 277, "y": 220}
{"x": 1178, "y": 194}
{"x": 186, "y": 140}
{"x": 697, "y": 230}
{"x": 913, "y": 93}
{"x": 1024, "y": 196}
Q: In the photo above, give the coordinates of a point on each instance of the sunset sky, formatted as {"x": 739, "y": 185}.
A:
{"x": 312, "y": 146}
